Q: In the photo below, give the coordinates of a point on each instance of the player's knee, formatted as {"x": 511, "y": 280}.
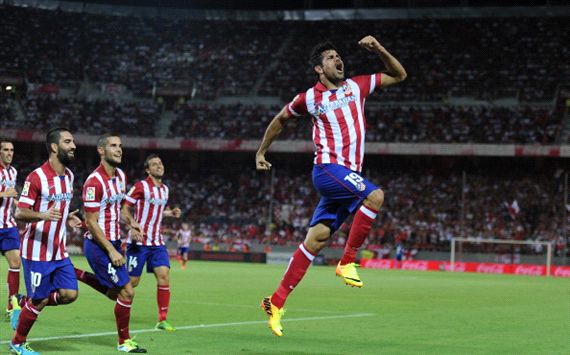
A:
{"x": 375, "y": 199}
{"x": 315, "y": 245}
{"x": 14, "y": 261}
{"x": 68, "y": 296}
{"x": 127, "y": 293}
{"x": 14, "y": 264}
{"x": 135, "y": 282}
{"x": 163, "y": 279}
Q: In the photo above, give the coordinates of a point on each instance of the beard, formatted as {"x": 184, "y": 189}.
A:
{"x": 64, "y": 157}
{"x": 112, "y": 162}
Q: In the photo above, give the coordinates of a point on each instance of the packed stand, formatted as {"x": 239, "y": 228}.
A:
{"x": 422, "y": 208}
{"x": 211, "y": 57}
{"x": 401, "y": 124}
{"x": 474, "y": 57}
{"x": 91, "y": 117}
{"x": 219, "y": 57}
{"x": 7, "y": 116}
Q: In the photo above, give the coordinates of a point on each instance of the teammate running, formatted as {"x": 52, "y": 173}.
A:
{"x": 44, "y": 207}
{"x": 103, "y": 193}
{"x": 150, "y": 198}
{"x": 183, "y": 237}
{"x": 9, "y": 235}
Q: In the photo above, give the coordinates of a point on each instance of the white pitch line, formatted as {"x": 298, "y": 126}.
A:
{"x": 250, "y": 306}
{"x": 199, "y": 326}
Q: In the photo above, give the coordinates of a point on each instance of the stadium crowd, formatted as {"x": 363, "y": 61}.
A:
{"x": 242, "y": 57}
{"x": 403, "y": 124}
{"x": 399, "y": 124}
{"x": 410, "y": 216}
{"x": 230, "y": 204}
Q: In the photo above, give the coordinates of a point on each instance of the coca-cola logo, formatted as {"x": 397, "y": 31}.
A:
{"x": 378, "y": 264}
{"x": 457, "y": 267}
{"x": 491, "y": 268}
{"x": 534, "y": 270}
{"x": 415, "y": 265}
{"x": 561, "y": 271}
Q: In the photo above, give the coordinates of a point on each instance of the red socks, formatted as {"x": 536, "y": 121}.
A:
{"x": 122, "y": 317}
{"x": 27, "y": 318}
{"x": 163, "y": 300}
{"x": 90, "y": 280}
{"x": 53, "y": 299}
{"x": 361, "y": 224}
{"x": 13, "y": 284}
{"x": 298, "y": 265}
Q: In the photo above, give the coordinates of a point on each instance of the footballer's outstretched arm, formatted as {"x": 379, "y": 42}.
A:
{"x": 396, "y": 72}
{"x": 275, "y": 127}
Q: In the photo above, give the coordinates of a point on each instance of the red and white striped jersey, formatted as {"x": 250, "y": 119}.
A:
{"x": 44, "y": 188}
{"x": 7, "y": 180}
{"x": 150, "y": 201}
{"x": 184, "y": 238}
{"x": 339, "y": 125}
{"x": 104, "y": 194}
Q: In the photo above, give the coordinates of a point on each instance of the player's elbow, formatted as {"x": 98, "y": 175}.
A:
{"x": 18, "y": 214}
{"x": 401, "y": 76}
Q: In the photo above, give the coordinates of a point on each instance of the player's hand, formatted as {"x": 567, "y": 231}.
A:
{"x": 73, "y": 221}
{"x": 116, "y": 258}
{"x": 52, "y": 214}
{"x": 176, "y": 212}
{"x": 261, "y": 163}
{"x": 136, "y": 231}
{"x": 371, "y": 44}
{"x": 11, "y": 192}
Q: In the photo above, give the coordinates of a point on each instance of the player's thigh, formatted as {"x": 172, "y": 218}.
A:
{"x": 37, "y": 277}
{"x": 336, "y": 182}
{"x": 107, "y": 274}
{"x": 10, "y": 246}
{"x": 137, "y": 257}
{"x": 65, "y": 280}
{"x": 158, "y": 258}
{"x": 331, "y": 213}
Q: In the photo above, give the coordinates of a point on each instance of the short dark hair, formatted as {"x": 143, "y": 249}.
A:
{"x": 148, "y": 158}
{"x": 102, "y": 141}
{"x": 53, "y": 136}
{"x": 5, "y": 140}
{"x": 316, "y": 57}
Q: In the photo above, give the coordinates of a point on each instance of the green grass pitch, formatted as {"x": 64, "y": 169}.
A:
{"x": 215, "y": 305}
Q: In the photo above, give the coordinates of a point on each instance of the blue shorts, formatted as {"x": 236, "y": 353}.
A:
{"x": 9, "y": 239}
{"x": 152, "y": 256}
{"x": 44, "y": 277}
{"x": 107, "y": 274}
{"x": 183, "y": 250}
{"x": 342, "y": 191}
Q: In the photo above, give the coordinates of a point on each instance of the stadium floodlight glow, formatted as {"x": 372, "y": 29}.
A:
{"x": 548, "y": 245}
{"x": 9, "y": 87}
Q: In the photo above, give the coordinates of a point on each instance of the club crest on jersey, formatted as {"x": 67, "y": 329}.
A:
{"x": 90, "y": 194}
{"x": 347, "y": 90}
{"x": 26, "y": 188}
